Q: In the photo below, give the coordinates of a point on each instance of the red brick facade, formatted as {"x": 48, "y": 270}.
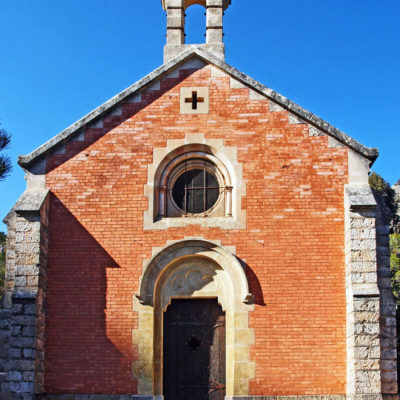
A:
{"x": 293, "y": 244}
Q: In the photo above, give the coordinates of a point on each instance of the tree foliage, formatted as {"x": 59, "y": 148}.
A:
{"x": 383, "y": 190}
{"x": 395, "y": 263}
{"x": 5, "y": 162}
{"x": 386, "y": 195}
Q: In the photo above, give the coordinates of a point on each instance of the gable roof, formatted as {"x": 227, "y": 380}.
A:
{"x": 194, "y": 51}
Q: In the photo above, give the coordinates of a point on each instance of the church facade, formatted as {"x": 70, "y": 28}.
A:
{"x": 198, "y": 236}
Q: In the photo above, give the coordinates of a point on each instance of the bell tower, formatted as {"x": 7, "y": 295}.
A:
{"x": 176, "y": 26}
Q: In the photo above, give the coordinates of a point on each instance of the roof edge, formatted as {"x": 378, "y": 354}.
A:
{"x": 367, "y": 152}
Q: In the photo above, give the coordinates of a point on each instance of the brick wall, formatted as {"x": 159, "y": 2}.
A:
{"x": 293, "y": 244}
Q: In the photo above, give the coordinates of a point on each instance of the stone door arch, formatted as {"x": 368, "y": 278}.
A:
{"x": 193, "y": 269}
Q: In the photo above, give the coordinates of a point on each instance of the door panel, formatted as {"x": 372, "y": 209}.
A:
{"x": 194, "y": 350}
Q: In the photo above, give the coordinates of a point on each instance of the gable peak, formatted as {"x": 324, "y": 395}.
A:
{"x": 176, "y": 26}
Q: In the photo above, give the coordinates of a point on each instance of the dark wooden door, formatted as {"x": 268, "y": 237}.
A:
{"x": 194, "y": 350}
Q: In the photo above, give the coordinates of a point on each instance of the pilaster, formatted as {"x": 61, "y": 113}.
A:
{"x": 369, "y": 330}
{"x": 24, "y": 299}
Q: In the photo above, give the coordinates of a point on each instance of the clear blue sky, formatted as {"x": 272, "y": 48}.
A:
{"x": 61, "y": 59}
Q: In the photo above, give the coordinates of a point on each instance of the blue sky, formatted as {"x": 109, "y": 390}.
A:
{"x": 61, "y": 59}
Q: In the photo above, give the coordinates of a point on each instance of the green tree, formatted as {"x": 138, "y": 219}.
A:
{"x": 386, "y": 196}
{"x": 383, "y": 190}
{"x": 395, "y": 263}
{"x": 5, "y": 163}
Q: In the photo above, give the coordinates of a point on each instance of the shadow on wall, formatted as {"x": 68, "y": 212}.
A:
{"x": 100, "y": 126}
{"x": 254, "y": 284}
{"x": 79, "y": 357}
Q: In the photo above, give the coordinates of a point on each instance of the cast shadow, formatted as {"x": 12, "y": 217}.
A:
{"x": 91, "y": 132}
{"x": 79, "y": 357}
{"x": 254, "y": 284}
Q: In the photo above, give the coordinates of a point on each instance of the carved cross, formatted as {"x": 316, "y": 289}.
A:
{"x": 194, "y": 100}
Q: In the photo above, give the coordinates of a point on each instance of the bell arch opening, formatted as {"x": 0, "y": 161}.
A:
{"x": 195, "y": 24}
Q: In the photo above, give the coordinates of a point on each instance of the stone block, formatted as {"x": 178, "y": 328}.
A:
{"x": 366, "y": 341}
{"x": 30, "y": 309}
{"x": 388, "y": 342}
{"x": 366, "y": 305}
{"x": 20, "y": 281}
{"x": 17, "y": 308}
{"x": 361, "y": 317}
{"x": 388, "y": 321}
{"x": 374, "y": 353}
{"x": 23, "y": 342}
{"x": 389, "y": 387}
{"x": 29, "y": 376}
{"x": 371, "y": 328}
{"x": 27, "y": 258}
{"x": 32, "y": 281}
{"x": 16, "y": 330}
{"x": 24, "y": 320}
{"x": 28, "y": 331}
{"x": 389, "y": 354}
{"x": 15, "y": 376}
{"x": 26, "y": 270}
{"x": 21, "y": 387}
{"x": 29, "y": 353}
{"x": 366, "y": 365}
{"x": 15, "y": 352}
{"x": 22, "y": 365}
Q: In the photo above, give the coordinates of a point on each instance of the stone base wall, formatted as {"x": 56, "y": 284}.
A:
{"x": 95, "y": 397}
{"x": 21, "y": 347}
{"x": 146, "y": 397}
{"x": 5, "y": 331}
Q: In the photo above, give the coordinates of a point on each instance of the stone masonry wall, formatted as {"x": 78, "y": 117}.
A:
{"x": 363, "y": 330}
{"x": 23, "y": 360}
{"x": 371, "y": 325}
{"x": 6, "y": 311}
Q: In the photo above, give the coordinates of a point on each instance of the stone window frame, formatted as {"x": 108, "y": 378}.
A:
{"x": 214, "y": 150}
{"x": 167, "y": 208}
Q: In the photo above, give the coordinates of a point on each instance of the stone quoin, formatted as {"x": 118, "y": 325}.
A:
{"x": 197, "y": 186}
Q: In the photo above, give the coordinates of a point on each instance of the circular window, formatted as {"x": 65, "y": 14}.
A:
{"x": 196, "y": 190}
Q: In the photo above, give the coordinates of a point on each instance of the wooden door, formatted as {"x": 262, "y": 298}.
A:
{"x": 194, "y": 350}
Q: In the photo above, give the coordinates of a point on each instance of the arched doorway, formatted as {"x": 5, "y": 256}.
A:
{"x": 193, "y": 269}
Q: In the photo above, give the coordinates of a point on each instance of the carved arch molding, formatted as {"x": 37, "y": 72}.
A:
{"x": 193, "y": 269}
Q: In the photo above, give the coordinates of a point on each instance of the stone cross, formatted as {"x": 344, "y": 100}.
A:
{"x": 194, "y": 100}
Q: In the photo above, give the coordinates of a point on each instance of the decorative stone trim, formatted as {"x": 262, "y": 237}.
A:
{"x": 225, "y": 159}
{"x": 222, "y": 277}
{"x": 199, "y": 104}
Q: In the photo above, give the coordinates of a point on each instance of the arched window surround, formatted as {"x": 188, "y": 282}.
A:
{"x": 170, "y": 173}
{"x": 225, "y": 159}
